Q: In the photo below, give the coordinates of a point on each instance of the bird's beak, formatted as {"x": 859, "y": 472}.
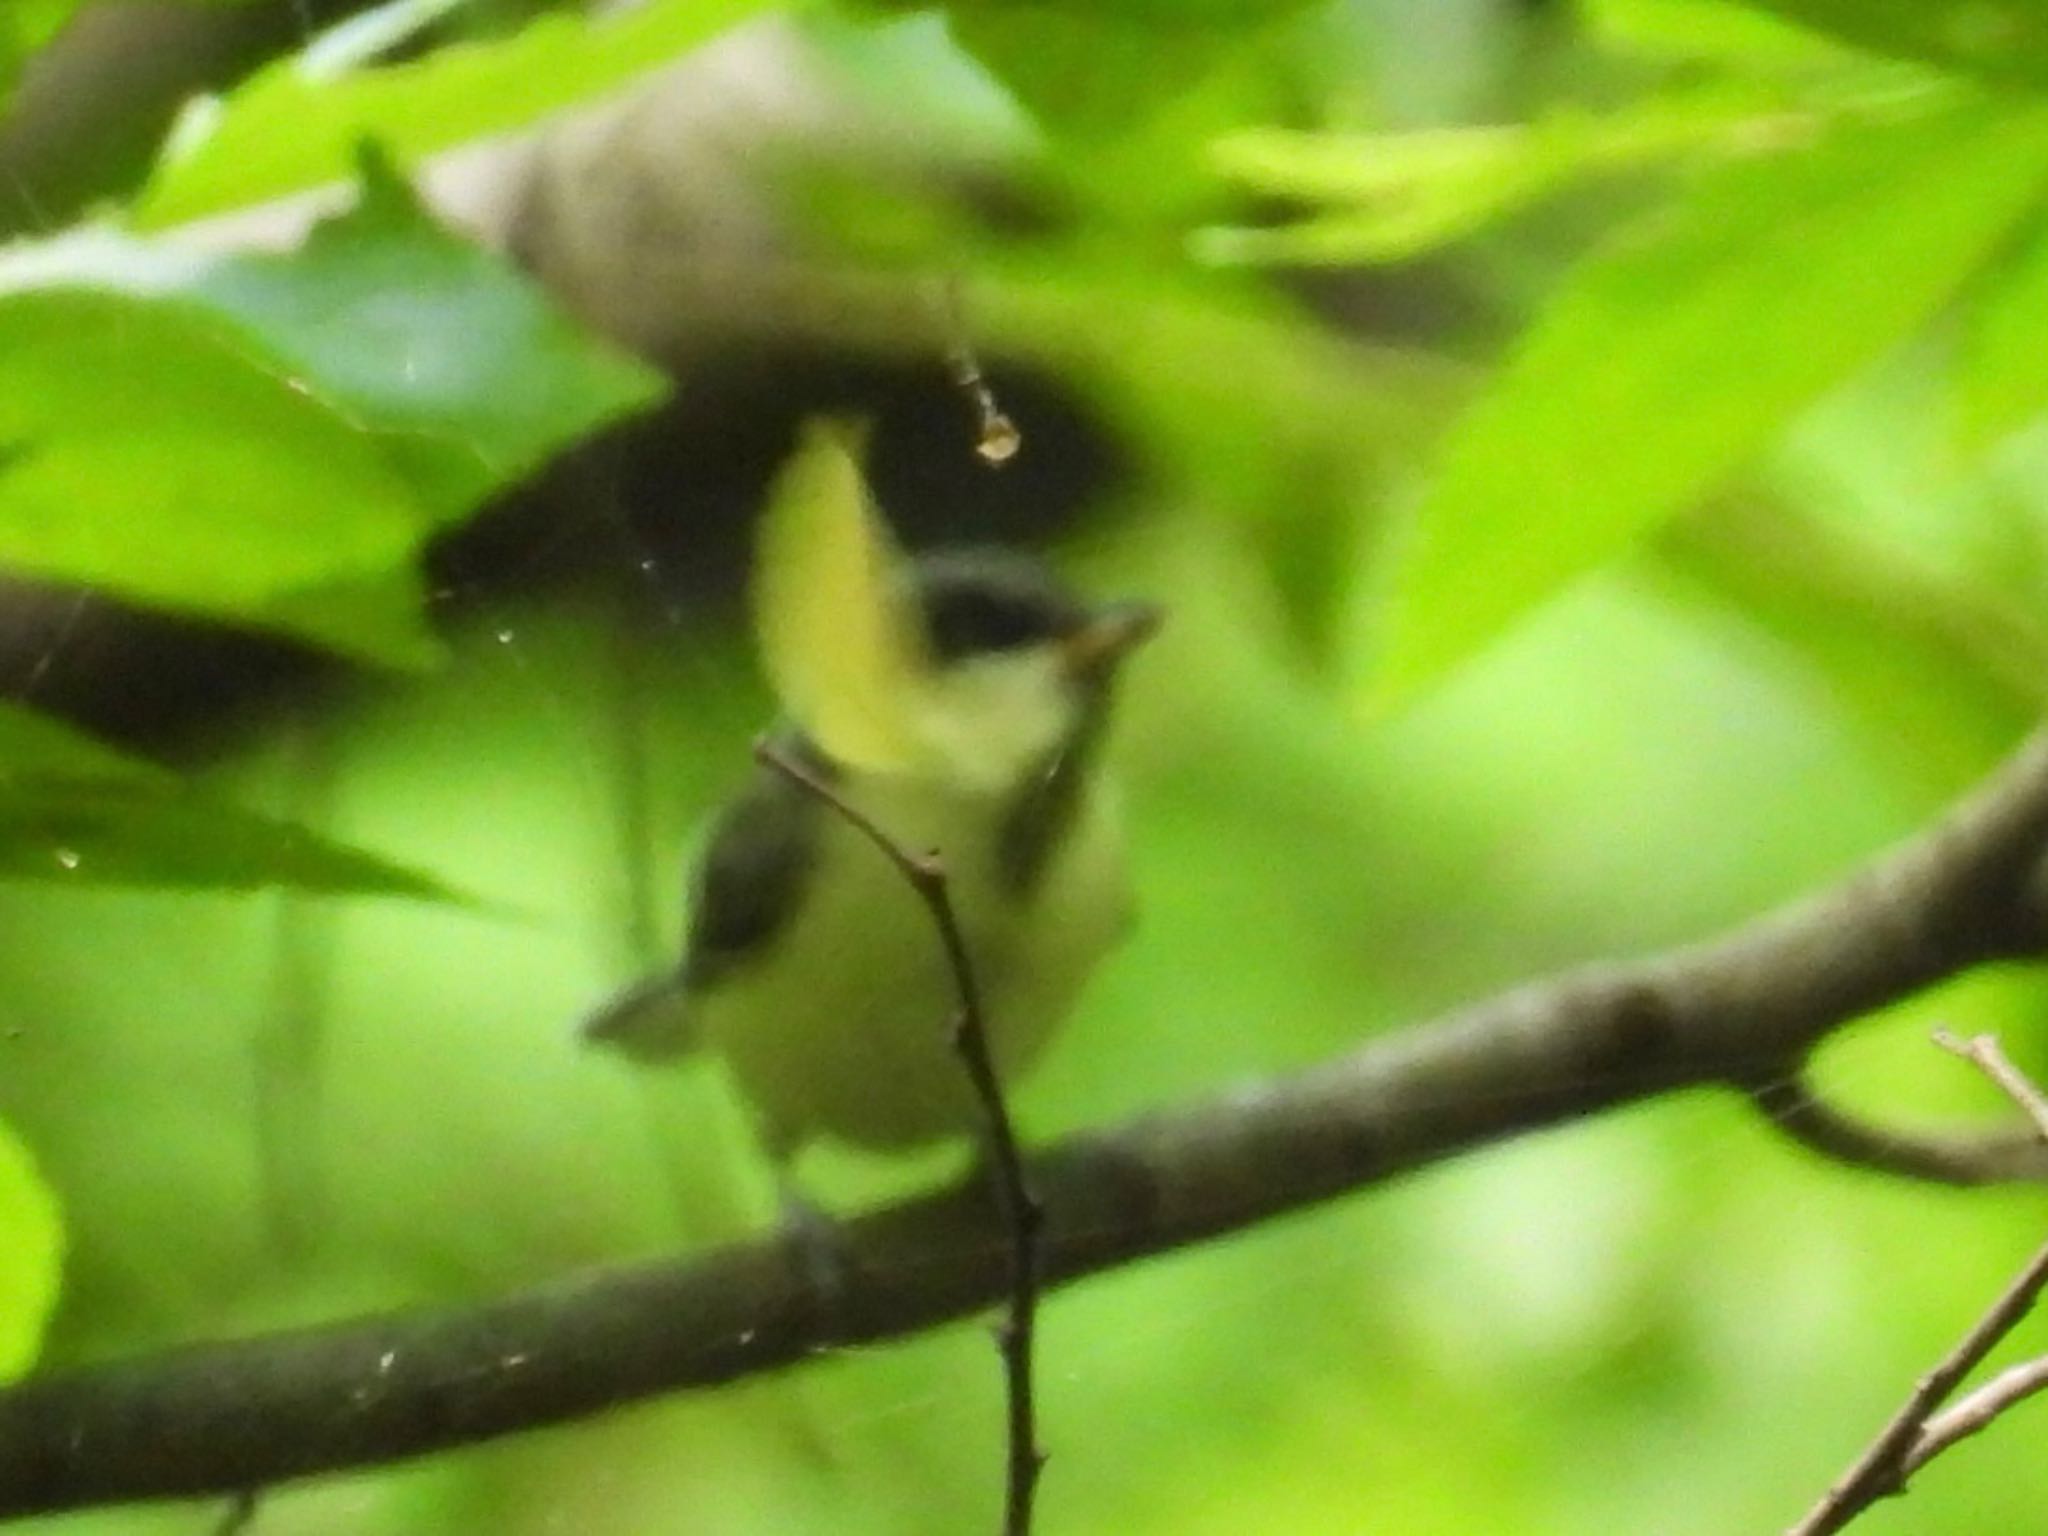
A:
{"x": 1110, "y": 634}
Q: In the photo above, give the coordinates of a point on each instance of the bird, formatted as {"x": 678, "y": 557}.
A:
{"x": 809, "y": 963}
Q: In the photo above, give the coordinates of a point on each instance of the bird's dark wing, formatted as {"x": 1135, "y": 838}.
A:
{"x": 751, "y": 876}
{"x": 1042, "y": 809}
{"x": 748, "y": 882}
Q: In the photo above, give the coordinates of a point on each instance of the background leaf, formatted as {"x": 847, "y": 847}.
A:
{"x": 459, "y": 369}
{"x": 282, "y": 131}
{"x": 2002, "y": 375}
{"x": 78, "y": 813}
{"x": 1397, "y": 195}
{"x": 334, "y": 408}
{"x": 31, "y": 1256}
{"x": 2003, "y": 40}
{"x": 224, "y": 496}
{"x": 1724, "y": 30}
{"x": 1665, "y": 360}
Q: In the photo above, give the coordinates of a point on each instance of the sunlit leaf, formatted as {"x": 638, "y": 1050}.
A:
{"x": 31, "y": 1256}
{"x": 283, "y": 130}
{"x": 466, "y": 374}
{"x": 1396, "y": 195}
{"x": 837, "y": 635}
{"x": 1090, "y": 74}
{"x": 1667, "y": 359}
{"x": 158, "y": 452}
{"x": 1724, "y": 30}
{"x": 76, "y": 812}
{"x": 2002, "y": 373}
{"x": 1092, "y": 70}
{"x": 268, "y": 439}
{"x": 1126, "y": 100}
{"x": 2005, "y": 40}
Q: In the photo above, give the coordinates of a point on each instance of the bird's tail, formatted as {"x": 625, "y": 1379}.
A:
{"x": 651, "y": 1020}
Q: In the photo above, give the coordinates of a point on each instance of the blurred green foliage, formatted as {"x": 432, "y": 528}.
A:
{"x": 1703, "y": 540}
{"x": 30, "y": 1263}
{"x": 290, "y": 127}
{"x": 23, "y": 29}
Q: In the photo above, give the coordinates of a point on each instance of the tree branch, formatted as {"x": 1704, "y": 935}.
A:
{"x": 217, "y": 1418}
{"x": 1988, "y": 1157}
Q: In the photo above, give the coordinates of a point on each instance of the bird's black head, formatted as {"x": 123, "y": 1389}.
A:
{"x": 981, "y": 602}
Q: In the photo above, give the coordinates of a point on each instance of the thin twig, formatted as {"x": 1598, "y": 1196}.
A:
{"x": 1976, "y": 1411}
{"x": 1883, "y": 1467}
{"x": 1022, "y": 1215}
{"x": 1984, "y": 1050}
{"x": 997, "y": 438}
{"x": 1914, "y": 1436}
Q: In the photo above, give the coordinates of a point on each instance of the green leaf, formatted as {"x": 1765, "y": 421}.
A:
{"x": 2002, "y": 40}
{"x": 269, "y": 439}
{"x": 1705, "y": 29}
{"x": 156, "y": 452}
{"x": 31, "y": 1256}
{"x": 1089, "y": 75}
{"x": 1401, "y": 194}
{"x": 1666, "y": 360}
{"x": 463, "y": 371}
{"x": 2002, "y": 373}
{"x": 76, "y": 812}
{"x": 285, "y": 129}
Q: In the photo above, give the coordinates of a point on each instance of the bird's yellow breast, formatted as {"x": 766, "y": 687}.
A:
{"x": 844, "y": 1030}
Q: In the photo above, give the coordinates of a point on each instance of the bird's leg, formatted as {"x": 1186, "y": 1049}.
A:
{"x": 814, "y": 1238}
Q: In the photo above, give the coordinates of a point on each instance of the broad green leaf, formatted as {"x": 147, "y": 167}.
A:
{"x": 76, "y": 812}
{"x": 284, "y": 130}
{"x": 156, "y": 451}
{"x": 465, "y": 373}
{"x": 1664, "y": 361}
{"x": 1084, "y": 73}
{"x": 31, "y": 1256}
{"x": 1397, "y": 195}
{"x": 1126, "y": 100}
{"x": 269, "y": 439}
{"x": 837, "y": 635}
{"x": 2002, "y": 363}
{"x": 1725, "y": 30}
{"x": 2003, "y": 40}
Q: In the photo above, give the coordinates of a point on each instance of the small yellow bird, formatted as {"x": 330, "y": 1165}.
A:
{"x": 809, "y": 964}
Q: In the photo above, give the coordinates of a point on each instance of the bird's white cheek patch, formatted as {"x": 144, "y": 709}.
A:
{"x": 985, "y": 721}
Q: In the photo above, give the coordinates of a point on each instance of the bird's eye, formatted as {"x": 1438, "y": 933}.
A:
{"x": 966, "y": 623}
